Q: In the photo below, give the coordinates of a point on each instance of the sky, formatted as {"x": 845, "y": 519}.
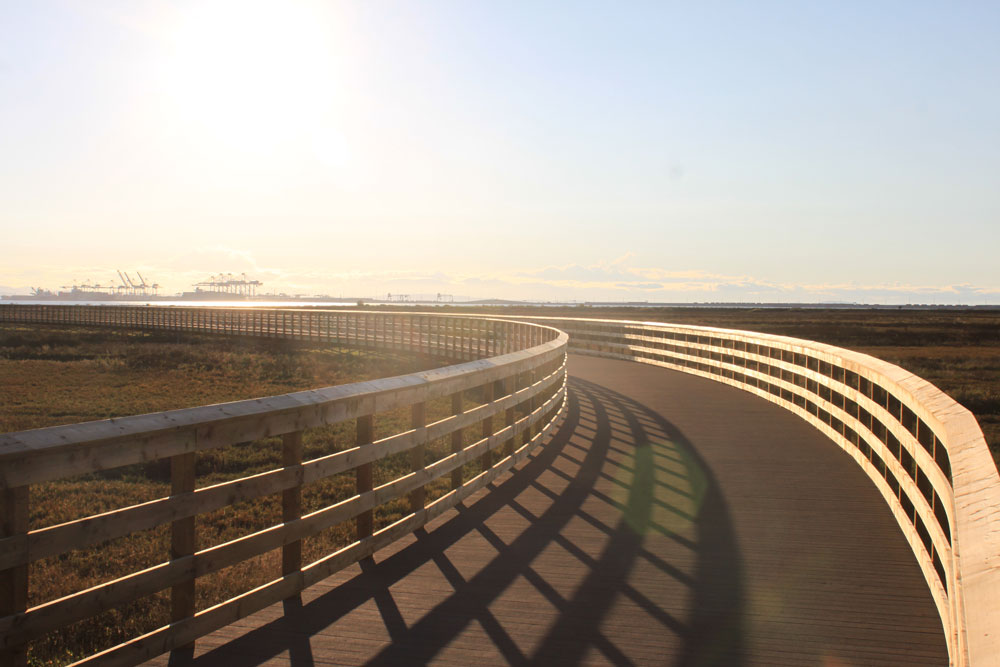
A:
{"x": 592, "y": 151}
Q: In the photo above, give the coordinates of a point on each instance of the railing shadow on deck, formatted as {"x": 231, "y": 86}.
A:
{"x": 622, "y": 429}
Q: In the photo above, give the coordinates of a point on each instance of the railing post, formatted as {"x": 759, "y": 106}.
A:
{"x": 182, "y": 542}
{"x": 363, "y": 474}
{"x": 532, "y": 404}
{"x": 456, "y": 439}
{"x": 291, "y": 501}
{"x": 508, "y": 389}
{"x": 487, "y": 458}
{"x": 418, "y": 421}
{"x": 14, "y": 581}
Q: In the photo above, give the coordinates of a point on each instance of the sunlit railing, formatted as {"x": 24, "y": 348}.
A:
{"x": 923, "y": 451}
{"x": 517, "y": 370}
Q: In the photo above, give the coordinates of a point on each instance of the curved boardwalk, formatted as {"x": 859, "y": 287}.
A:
{"x": 672, "y": 520}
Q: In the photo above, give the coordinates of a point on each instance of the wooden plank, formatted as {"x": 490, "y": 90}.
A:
{"x": 510, "y": 390}
{"x": 291, "y": 502}
{"x": 44, "y": 454}
{"x": 532, "y": 374}
{"x": 627, "y": 349}
{"x": 487, "y": 426}
{"x": 418, "y": 419}
{"x": 90, "y": 530}
{"x": 54, "y": 540}
{"x": 13, "y": 580}
{"x": 781, "y": 597}
{"x": 365, "y": 433}
{"x": 182, "y": 541}
{"x": 456, "y": 438}
{"x": 58, "y": 613}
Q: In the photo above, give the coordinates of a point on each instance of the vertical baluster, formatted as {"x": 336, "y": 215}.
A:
{"x": 182, "y": 542}
{"x": 487, "y": 458}
{"x": 508, "y": 389}
{"x": 532, "y": 403}
{"x": 363, "y": 474}
{"x": 14, "y": 581}
{"x": 418, "y": 420}
{"x": 291, "y": 501}
{"x": 456, "y": 439}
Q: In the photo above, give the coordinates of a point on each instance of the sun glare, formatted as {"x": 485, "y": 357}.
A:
{"x": 254, "y": 78}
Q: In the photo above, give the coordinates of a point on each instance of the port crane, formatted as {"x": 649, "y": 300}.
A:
{"x": 131, "y": 287}
{"x": 227, "y": 283}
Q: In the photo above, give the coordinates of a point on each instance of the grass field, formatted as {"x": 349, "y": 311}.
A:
{"x": 54, "y": 376}
{"x": 65, "y": 375}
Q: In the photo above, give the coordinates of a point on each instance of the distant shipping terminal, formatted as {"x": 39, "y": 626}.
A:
{"x": 220, "y": 287}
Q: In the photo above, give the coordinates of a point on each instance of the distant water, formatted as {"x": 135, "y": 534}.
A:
{"x": 186, "y": 304}
{"x": 278, "y": 303}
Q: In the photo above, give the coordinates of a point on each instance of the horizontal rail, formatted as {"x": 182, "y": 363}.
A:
{"x": 59, "y": 613}
{"x": 168, "y": 638}
{"x": 527, "y": 360}
{"x": 60, "y": 538}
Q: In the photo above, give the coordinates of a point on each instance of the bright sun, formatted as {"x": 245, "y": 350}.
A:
{"x": 255, "y": 77}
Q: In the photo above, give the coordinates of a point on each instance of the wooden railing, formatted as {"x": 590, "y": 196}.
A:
{"x": 518, "y": 368}
{"x": 923, "y": 451}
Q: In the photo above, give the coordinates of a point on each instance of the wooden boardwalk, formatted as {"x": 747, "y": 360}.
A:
{"x": 672, "y": 520}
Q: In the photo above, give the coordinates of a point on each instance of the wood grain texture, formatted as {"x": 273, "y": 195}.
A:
{"x": 950, "y": 518}
{"x": 14, "y": 579}
{"x": 945, "y": 504}
{"x": 669, "y": 520}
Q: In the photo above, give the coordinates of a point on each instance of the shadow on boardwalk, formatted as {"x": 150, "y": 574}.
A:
{"x": 616, "y": 483}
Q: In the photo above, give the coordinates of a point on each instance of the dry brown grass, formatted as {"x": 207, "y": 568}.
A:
{"x": 956, "y": 349}
{"x": 66, "y": 375}
{"x": 58, "y": 375}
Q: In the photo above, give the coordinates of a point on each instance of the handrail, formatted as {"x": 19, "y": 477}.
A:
{"x": 924, "y": 452}
{"x": 524, "y": 364}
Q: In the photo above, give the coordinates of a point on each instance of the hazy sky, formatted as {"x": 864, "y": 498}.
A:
{"x": 695, "y": 151}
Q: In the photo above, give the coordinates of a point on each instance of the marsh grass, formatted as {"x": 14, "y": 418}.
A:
{"x": 957, "y": 350}
{"x": 59, "y": 375}
{"x": 65, "y": 375}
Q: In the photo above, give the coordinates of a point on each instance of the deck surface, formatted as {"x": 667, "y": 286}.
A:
{"x": 671, "y": 520}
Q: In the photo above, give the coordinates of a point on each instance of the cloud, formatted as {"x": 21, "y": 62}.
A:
{"x": 621, "y": 279}
{"x": 615, "y": 279}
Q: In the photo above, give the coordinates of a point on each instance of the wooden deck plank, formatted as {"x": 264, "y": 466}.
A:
{"x": 671, "y": 520}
